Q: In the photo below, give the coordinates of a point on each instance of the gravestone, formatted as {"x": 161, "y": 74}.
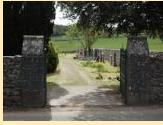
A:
{"x": 137, "y": 54}
{"x": 115, "y": 63}
{"x": 34, "y": 71}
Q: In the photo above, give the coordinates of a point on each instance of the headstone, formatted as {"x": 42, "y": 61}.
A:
{"x": 115, "y": 63}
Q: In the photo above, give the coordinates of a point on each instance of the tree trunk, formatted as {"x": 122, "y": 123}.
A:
{"x": 89, "y": 51}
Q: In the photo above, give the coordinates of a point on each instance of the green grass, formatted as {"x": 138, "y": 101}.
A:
{"x": 155, "y": 45}
{"x": 110, "y": 43}
{"x": 104, "y": 74}
{"x": 66, "y": 45}
{"x": 120, "y": 42}
{"x": 100, "y": 67}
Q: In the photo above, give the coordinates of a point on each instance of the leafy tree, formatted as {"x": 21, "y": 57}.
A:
{"x": 89, "y": 38}
{"x": 86, "y": 36}
{"x": 123, "y": 17}
{"x": 73, "y": 32}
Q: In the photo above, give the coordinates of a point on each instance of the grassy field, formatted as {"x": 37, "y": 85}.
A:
{"x": 64, "y": 44}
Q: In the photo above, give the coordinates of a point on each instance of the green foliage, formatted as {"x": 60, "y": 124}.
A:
{"x": 89, "y": 37}
{"x": 100, "y": 67}
{"x": 86, "y": 36}
{"x": 72, "y": 32}
{"x": 123, "y": 17}
{"x": 52, "y": 59}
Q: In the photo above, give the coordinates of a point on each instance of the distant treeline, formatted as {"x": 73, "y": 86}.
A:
{"x": 59, "y": 30}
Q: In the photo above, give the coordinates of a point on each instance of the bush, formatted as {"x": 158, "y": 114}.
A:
{"x": 101, "y": 68}
{"x": 52, "y": 59}
{"x": 87, "y": 64}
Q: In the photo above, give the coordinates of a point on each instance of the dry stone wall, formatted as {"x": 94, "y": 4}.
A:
{"x": 155, "y": 78}
{"x": 141, "y": 73}
{"x": 25, "y": 76}
{"x": 12, "y": 80}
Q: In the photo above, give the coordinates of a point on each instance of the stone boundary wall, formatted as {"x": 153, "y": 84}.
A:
{"x": 148, "y": 81}
{"x": 141, "y": 73}
{"x": 111, "y": 55}
{"x": 155, "y": 78}
{"x": 156, "y": 54}
{"x": 24, "y": 76}
{"x": 12, "y": 80}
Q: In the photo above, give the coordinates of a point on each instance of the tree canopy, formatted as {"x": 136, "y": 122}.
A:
{"x": 73, "y": 32}
{"x": 123, "y": 16}
{"x": 86, "y": 36}
{"x": 25, "y": 18}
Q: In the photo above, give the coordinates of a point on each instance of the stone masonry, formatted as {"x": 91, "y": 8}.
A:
{"x": 25, "y": 75}
{"x": 141, "y": 74}
{"x": 12, "y": 81}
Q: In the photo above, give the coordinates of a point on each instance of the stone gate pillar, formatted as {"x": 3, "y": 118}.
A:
{"x": 137, "y": 54}
{"x": 34, "y": 71}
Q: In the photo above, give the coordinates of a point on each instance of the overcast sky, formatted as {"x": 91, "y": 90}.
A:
{"x": 60, "y": 20}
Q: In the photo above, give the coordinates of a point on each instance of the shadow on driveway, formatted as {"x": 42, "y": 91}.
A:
{"x": 36, "y": 114}
{"x": 55, "y": 91}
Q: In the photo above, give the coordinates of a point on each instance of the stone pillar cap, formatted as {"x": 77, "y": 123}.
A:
{"x": 33, "y": 45}
{"x": 137, "y": 45}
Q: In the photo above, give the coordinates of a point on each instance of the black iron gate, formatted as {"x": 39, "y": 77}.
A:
{"x": 123, "y": 81}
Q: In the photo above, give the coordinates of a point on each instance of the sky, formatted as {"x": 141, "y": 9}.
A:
{"x": 60, "y": 20}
